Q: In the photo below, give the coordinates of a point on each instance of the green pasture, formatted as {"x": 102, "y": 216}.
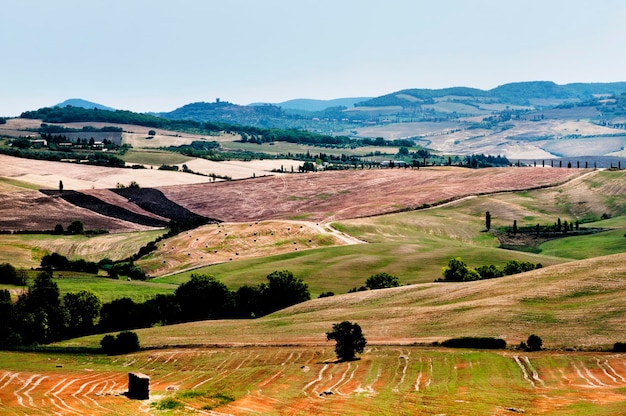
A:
{"x": 153, "y": 157}
{"x": 587, "y": 246}
{"x": 110, "y": 289}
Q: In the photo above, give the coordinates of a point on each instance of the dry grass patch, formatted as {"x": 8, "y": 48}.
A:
{"x": 220, "y": 243}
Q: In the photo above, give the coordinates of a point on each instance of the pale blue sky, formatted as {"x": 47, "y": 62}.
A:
{"x": 156, "y": 55}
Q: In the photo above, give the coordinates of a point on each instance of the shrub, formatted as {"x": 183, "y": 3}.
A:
{"x": 326, "y": 294}
{"x": 382, "y": 281}
{"x": 487, "y": 343}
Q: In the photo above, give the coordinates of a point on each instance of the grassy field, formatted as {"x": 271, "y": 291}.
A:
{"x": 574, "y": 305}
{"x": 338, "y": 269}
{"x": 154, "y": 157}
{"x": 109, "y": 289}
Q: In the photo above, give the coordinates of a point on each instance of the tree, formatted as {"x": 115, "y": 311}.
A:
{"x": 203, "y": 297}
{"x": 514, "y": 226}
{"x": 488, "y": 220}
{"x": 151, "y": 133}
{"x": 349, "y": 340}
{"x": 534, "y": 343}
{"x": 83, "y": 309}
{"x": 54, "y": 261}
{"x": 282, "y": 290}
{"x": 58, "y": 229}
{"x": 76, "y": 227}
{"x": 39, "y": 312}
{"x": 60, "y": 187}
{"x": 382, "y": 281}
{"x": 8, "y": 274}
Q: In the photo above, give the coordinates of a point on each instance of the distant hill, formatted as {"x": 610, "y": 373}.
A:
{"x": 307, "y": 104}
{"x": 79, "y": 102}
{"x": 516, "y": 93}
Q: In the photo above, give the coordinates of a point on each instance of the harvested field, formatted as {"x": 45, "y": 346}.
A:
{"x": 307, "y": 380}
{"x": 331, "y": 196}
{"x": 219, "y": 243}
{"x": 46, "y": 175}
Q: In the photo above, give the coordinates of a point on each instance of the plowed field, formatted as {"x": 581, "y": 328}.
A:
{"x": 350, "y": 194}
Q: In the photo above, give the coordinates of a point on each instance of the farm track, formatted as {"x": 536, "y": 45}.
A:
{"x": 300, "y": 380}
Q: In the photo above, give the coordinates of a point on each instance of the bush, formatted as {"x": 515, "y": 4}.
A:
{"x": 486, "y": 343}
{"x": 124, "y": 343}
{"x": 382, "y": 281}
{"x": 457, "y": 271}
{"x": 326, "y": 294}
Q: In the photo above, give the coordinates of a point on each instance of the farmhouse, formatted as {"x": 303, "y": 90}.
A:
{"x": 114, "y": 137}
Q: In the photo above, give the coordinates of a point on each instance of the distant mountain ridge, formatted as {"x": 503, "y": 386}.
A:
{"x": 516, "y": 93}
{"x": 79, "y": 102}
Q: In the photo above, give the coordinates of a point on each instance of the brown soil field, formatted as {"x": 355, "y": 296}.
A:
{"x": 338, "y": 195}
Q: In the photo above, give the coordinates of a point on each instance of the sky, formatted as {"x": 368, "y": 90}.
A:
{"x": 157, "y": 55}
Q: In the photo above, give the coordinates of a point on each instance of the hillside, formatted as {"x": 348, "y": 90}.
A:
{"x": 573, "y": 305}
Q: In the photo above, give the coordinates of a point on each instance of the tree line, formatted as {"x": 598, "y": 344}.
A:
{"x": 41, "y": 315}
{"x": 458, "y": 271}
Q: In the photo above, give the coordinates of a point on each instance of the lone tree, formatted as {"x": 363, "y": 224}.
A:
{"x": 534, "y": 343}
{"x": 60, "y": 187}
{"x": 349, "y": 338}
{"x": 488, "y": 220}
